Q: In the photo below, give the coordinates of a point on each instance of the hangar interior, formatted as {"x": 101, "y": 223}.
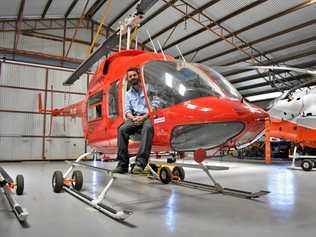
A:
{"x": 42, "y": 42}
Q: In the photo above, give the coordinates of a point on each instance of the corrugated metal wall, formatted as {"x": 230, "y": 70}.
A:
{"x": 23, "y": 135}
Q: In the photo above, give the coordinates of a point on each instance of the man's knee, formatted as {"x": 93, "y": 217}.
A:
{"x": 148, "y": 127}
{"x": 123, "y": 127}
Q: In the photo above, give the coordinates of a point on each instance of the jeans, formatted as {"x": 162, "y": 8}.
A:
{"x": 129, "y": 128}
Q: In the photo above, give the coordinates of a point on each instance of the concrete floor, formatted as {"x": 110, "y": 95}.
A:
{"x": 167, "y": 210}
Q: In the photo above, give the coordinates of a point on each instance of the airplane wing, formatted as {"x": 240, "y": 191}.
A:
{"x": 106, "y": 46}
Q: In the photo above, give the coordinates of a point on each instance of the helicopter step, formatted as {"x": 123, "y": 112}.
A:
{"x": 74, "y": 184}
{"x": 8, "y": 185}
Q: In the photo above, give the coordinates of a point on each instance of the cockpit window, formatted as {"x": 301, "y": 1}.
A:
{"x": 225, "y": 85}
{"x": 170, "y": 83}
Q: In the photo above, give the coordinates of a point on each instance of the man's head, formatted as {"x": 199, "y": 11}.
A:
{"x": 133, "y": 78}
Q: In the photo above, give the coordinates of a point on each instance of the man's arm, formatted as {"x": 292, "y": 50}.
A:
{"x": 128, "y": 107}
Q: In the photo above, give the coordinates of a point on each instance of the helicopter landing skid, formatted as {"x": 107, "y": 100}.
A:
{"x": 177, "y": 178}
{"x": 73, "y": 186}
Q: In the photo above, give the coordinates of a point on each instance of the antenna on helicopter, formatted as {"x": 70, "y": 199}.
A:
{"x": 136, "y": 40}
{"x": 163, "y": 53}
{"x": 120, "y": 37}
{"x": 183, "y": 59}
{"x": 152, "y": 43}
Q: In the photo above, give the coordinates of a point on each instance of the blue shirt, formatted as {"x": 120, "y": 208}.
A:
{"x": 135, "y": 102}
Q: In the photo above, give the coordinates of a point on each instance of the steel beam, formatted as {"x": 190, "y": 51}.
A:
{"x": 72, "y": 5}
{"x": 44, "y": 115}
{"x": 41, "y": 90}
{"x": 253, "y": 25}
{"x": 219, "y": 21}
{"x": 187, "y": 16}
{"x": 262, "y": 39}
{"x": 94, "y": 8}
{"x": 157, "y": 12}
{"x": 281, "y": 59}
{"x": 49, "y": 2}
{"x": 42, "y": 58}
{"x": 8, "y": 25}
{"x": 282, "y": 47}
{"x": 53, "y": 37}
{"x": 18, "y": 24}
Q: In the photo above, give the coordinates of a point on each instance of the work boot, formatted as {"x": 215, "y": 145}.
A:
{"x": 137, "y": 169}
{"x": 120, "y": 170}
{"x": 3, "y": 183}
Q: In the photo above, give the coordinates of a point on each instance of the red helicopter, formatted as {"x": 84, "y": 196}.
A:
{"x": 198, "y": 109}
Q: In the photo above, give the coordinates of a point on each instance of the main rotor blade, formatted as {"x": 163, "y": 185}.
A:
{"x": 286, "y": 68}
{"x": 144, "y": 6}
{"x": 103, "y": 50}
{"x": 106, "y": 47}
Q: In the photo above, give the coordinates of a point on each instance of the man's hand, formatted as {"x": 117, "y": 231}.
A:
{"x": 138, "y": 120}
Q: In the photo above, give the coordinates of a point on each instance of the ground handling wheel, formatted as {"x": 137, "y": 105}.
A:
{"x": 165, "y": 175}
{"x": 19, "y": 181}
{"x": 77, "y": 180}
{"x": 307, "y": 165}
{"x": 178, "y": 171}
{"x": 57, "y": 181}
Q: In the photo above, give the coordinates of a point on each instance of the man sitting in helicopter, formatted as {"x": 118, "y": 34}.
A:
{"x": 136, "y": 112}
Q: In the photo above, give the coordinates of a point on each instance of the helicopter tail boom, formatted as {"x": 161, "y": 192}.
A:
{"x": 73, "y": 110}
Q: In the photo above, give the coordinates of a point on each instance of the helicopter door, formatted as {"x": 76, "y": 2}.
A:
{"x": 114, "y": 120}
{"x": 95, "y": 113}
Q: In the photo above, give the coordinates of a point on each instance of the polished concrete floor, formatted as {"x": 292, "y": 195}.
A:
{"x": 167, "y": 210}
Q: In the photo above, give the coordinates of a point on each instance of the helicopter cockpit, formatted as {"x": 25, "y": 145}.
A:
{"x": 170, "y": 83}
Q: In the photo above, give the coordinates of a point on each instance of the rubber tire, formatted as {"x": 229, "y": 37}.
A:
{"x": 179, "y": 172}
{"x": 57, "y": 181}
{"x": 165, "y": 175}
{"x": 78, "y": 177}
{"x": 307, "y": 165}
{"x": 314, "y": 163}
{"x": 19, "y": 181}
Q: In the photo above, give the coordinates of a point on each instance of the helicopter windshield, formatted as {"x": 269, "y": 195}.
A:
{"x": 224, "y": 84}
{"x": 169, "y": 83}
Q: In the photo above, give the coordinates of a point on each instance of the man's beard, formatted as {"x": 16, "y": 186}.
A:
{"x": 135, "y": 83}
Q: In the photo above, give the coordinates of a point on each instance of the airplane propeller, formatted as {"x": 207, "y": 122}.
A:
{"x": 107, "y": 46}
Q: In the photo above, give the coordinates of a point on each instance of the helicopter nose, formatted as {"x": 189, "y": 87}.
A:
{"x": 189, "y": 137}
{"x": 219, "y": 122}
{"x": 254, "y": 120}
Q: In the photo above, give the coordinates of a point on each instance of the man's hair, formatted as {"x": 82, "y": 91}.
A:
{"x": 133, "y": 69}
